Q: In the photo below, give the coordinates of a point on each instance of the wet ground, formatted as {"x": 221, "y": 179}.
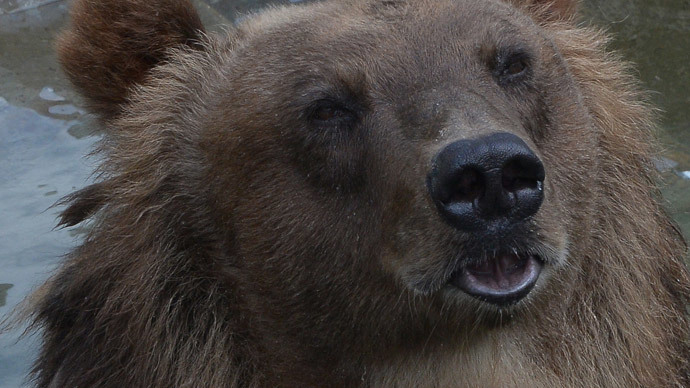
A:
{"x": 44, "y": 131}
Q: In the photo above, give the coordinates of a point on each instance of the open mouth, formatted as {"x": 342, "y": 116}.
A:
{"x": 501, "y": 280}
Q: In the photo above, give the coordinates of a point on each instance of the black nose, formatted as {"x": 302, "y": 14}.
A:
{"x": 475, "y": 183}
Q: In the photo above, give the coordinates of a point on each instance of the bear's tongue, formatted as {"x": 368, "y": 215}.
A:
{"x": 502, "y": 279}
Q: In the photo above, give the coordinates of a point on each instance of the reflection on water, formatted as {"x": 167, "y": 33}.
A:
{"x": 44, "y": 132}
{"x": 3, "y": 293}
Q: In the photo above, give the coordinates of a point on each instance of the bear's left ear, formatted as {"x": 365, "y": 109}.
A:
{"x": 549, "y": 9}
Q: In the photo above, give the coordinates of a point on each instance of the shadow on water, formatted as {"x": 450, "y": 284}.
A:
{"x": 44, "y": 132}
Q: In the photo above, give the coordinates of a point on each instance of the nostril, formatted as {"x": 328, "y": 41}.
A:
{"x": 468, "y": 186}
{"x": 522, "y": 174}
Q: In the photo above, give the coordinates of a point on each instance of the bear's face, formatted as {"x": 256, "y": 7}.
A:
{"x": 339, "y": 150}
{"x": 376, "y": 193}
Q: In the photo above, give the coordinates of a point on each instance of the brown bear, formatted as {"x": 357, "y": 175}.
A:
{"x": 363, "y": 193}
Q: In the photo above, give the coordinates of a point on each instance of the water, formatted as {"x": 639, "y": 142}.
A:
{"x": 655, "y": 35}
{"x": 44, "y": 132}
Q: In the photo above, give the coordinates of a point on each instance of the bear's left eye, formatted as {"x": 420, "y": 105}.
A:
{"x": 512, "y": 67}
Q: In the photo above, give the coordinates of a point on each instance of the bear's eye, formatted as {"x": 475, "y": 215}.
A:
{"x": 327, "y": 112}
{"x": 515, "y": 68}
{"x": 512, "y": 67}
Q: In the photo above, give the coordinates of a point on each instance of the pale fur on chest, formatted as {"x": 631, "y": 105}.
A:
{"x": 490, "y": 360}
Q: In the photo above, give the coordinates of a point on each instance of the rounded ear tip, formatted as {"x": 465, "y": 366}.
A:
{"x": 112, "y": 45}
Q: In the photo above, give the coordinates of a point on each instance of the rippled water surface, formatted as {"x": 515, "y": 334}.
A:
{"x": 44, "y": 131}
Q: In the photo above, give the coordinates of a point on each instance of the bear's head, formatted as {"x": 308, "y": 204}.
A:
{"x": 407, "y": 149}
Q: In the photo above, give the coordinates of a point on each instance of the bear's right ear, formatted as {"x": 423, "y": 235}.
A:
{"x": 111, "y": 45}
{"x": 549, "y": 9}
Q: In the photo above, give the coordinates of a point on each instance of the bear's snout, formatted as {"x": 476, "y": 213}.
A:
{"x": 487, "y": 181}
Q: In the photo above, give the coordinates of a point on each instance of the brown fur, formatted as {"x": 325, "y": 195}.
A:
{"x": 116, "y": 43}
{"x": 234, "y": 244}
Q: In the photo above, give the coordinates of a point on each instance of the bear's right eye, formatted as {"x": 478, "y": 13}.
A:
{"x": 327, "y": 112}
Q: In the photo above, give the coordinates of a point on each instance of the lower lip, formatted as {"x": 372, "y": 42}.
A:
{"x": 502, "y": 280}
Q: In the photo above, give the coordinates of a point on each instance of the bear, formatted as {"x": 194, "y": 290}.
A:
{"x": 363, "y": 193}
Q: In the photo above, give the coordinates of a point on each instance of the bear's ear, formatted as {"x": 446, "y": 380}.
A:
{"x": 111, "y": 45}
{"x": 549, "y": 9}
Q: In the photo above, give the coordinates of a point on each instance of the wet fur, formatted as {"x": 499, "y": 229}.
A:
{"x": 162, "y": 293}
